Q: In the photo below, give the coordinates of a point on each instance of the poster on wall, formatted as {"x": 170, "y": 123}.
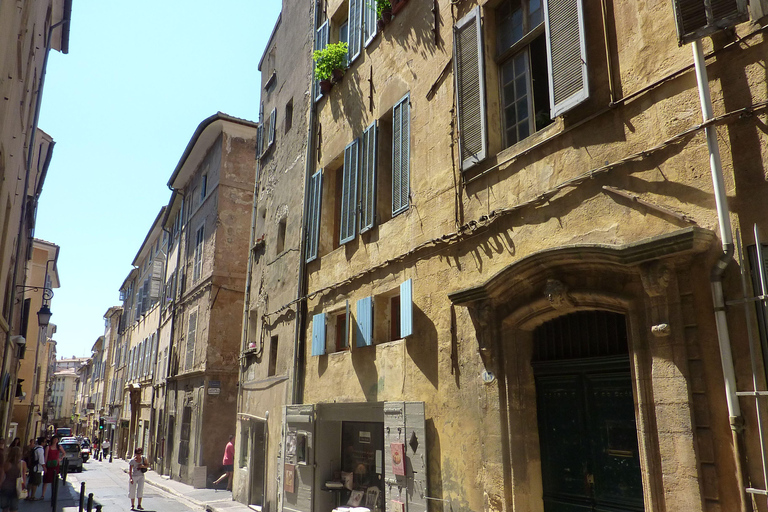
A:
{"x": 398, "y": 458}
{"x": 289, "y": 478}
{"x": 291, "y": 440}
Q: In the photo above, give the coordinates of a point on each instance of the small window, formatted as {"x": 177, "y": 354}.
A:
{"x": 394, "y": 318}
{"x": 288, "y": 115}
{"x": 341, "y": 330}
{"x": 203, "y": 187}
{"x": 273, "y": 344}
{"x": 280, "y": 243}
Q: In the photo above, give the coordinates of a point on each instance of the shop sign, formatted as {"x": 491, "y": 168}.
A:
{"x": 365, "y": 437}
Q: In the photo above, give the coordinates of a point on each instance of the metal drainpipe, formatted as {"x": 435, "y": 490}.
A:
{"x": 297, "y": 391}
{"x": 716, "y": 277}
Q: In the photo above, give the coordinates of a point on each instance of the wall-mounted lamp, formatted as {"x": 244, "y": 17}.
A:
{"x": 44, "y": 315}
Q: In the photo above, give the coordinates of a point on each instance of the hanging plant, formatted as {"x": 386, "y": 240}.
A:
{"x": 383, "y": 6}
{"x": 330, "y": 58}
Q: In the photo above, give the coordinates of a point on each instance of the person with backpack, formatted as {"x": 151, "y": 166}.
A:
{"x": 36, "y": 467}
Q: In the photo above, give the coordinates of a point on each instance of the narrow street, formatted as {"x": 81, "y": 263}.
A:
{"x": 109, "y": 484}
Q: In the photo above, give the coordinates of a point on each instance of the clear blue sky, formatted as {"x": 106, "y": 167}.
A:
{"x": 121, "y": 106}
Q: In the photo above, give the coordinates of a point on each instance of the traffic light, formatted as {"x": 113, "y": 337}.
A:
{"x": 101, "y": 423}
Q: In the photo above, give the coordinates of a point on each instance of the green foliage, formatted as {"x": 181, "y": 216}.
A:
{"x": 331, "y": 57}
{"x": 381, "y": 6}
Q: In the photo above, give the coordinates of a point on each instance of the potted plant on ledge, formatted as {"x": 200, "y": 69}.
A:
{"x": 383, "y": 13}
{"x": 330, "y": 64}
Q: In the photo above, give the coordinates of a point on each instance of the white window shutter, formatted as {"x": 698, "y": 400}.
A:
{"x": 406, "y": 308}
{"x": 469, "y": 73}
{"x": 191, "y": 338}
{"x": 404, "y": 422}
{"x": 566, "y": 55}
{"x": 369, "y": 153}
{"x": 370, "y": 25}
{"x": 318, "y": 334}
{"x": 272, "y": 124}
{"x": 355, "y": 28}
{"x": 313, "y": 214}
{"x": 347, "y": 229}
{"x": 321, "y": 41}
{"x": 401, "y": 155}
{"x": 364, "y": 322}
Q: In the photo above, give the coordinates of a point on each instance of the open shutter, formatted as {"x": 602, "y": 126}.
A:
{"x": 272, "y": 124}
{"x": 355, "y": 28}
{"x": 349, "y": 193}
{"x": 469, "y": 72}
{"x": 368, "y": 179}
{"x": 347, "y": 317}
{"x": 313, "y": 216}
{"x": 298, "y": 454}
{"x": 699, "y": 18}
{"x": 364, "y": 322}
{"x": 566, "y": 55}
{"x": 156, "y": 285}
{"x": 406, "y": 308}
{"x": 404, "y": 423}
{"x": 401, "y": 155}
{"x": 318, "y": 334}
{"x": 321, "y": 41}
{"x": 260, "y": 133}
{"x": 369, "y": 21}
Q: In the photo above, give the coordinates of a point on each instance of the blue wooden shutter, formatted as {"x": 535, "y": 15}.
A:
{"x": 469, "y": 73}
{"x": 368, "y": 179}
{"x": 401, "y": 155}
{"x": 313, "y": 214}
{"x": 566, "y": 55}
{"x": 355, "y": 28}
{"x": 369, "y": 21}
{"x": 347, "y": 229}
{"x": 406, "y": 308}
{"x": 321, "y": 41}
{"x": 364, "y": 322}
{"x": 318, "y": 334}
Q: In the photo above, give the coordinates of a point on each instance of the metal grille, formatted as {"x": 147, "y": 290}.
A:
{"x": 581, "y": 335}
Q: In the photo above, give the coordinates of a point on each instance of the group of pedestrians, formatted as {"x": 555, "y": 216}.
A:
{"x": 26, "y": 471}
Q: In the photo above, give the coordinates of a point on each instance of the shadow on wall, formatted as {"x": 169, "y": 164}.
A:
{"x": 422, "y": 346}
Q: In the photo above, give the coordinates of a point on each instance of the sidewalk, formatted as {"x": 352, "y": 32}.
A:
{"x": 209, "y": 499}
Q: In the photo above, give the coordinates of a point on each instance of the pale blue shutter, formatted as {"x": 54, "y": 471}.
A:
{"x": 368, "y": 179}
{"x": 401, "y": 155}
{"x": 406, "y": 308}
{"x": 364, "y": 322}
{"x": 318, "y": 334}
{"x": 469, "y": 73}
{"x": 321, "y": 41}
{"x": 313, "y": 215}
{"x": 566, "y": 55}
{"x": 355, "y": 28}
{"x": 369, "y": 21}
{"x": 349, "y": 193}
{"x": 272, "y": 126}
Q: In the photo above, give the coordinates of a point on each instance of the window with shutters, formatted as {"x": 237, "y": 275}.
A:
{"x": 272, "y": 125}
{"x": 393, "y": 314}
{"x": 198, "y": 255}
{"x": 321, "y": 41}
{"x": 191, "y": 339}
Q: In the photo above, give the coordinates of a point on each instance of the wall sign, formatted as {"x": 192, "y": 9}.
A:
{"x": 289, "y": 478}
{"x": 398, "y": 458}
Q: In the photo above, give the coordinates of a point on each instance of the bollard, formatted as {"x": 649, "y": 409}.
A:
{"x": 110, "y": 455}
{"x": 54, "y": 492}
{"x": 82, "y": 496}
{"x": 98, "y": 507}
{"x": 90, "y": 502}
{"x": 64, "y": 469}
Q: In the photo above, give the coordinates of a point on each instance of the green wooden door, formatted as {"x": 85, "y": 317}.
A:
{"x": 588, "y": 438}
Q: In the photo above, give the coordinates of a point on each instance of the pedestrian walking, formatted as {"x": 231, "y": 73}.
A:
{"x": 136, "y": 469}
{"x": 228, "y": 463}
{"x": 53, "y": 457}
{"x": 14, "y": 469}
{"x": 105, "y": 445}
{"x": 36, "y": 465}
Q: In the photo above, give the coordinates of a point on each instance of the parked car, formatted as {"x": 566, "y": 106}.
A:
{"x": 64, "y": 432}
{"x": 73, "y": 453}
{"x": 85, "y": 449}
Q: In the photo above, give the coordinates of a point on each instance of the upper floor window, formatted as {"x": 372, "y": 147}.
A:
{"x": 203, "y": 187}
{"x": 540, "y": 61}
{"x": 198, "y": 256}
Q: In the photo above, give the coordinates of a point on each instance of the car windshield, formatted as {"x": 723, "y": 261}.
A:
{"x": 71, "y": 448}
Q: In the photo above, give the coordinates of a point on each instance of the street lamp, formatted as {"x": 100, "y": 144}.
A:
{"x": 44, "y": 316}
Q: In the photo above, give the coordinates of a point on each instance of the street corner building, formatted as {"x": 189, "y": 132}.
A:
{"x": 529, "y": 275}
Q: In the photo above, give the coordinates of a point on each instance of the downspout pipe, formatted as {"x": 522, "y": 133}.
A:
{"x": 297, "y": 383}
{"x": 718, "y": 270}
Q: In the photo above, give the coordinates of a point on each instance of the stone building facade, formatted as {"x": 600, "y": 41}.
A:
{"x": 515, "y": 258}
{"x": 215, "y": 178}
{"x": 268, "y": 360}
{"x": 28, "y": 32}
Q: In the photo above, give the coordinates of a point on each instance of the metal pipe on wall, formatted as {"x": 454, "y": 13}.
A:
{"x": 716, "y": 277}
